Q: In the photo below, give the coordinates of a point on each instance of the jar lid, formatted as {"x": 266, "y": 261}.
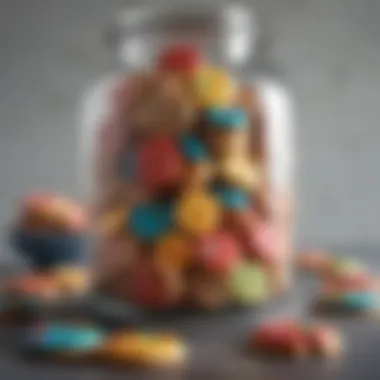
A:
{"x": 225, "y": 31}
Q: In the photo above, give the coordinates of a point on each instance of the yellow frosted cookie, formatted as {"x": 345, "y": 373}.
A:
{"x": 198, "y": 213}
{"x": 71, "y": 279}
{"x": 144, "y": 350}
{"x": 240, "y": 171}
{"x": 173, "y": 251}
{"x": 213, "y": 86}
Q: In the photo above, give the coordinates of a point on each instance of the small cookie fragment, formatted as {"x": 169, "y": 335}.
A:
{"x": 141, "y": 349}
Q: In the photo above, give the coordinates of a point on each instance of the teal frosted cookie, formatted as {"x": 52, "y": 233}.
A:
{"x": 150, "y": 221}
{"x": 361, "y": 301}
{"x": 227, "y": 119}
{"x": 64, "y": 338}
{"x": 248, "y": 283}
{"x": 193, "y": 148}
{"x": 232, "y": 198}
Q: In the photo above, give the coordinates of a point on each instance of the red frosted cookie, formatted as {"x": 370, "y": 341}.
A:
{"x": 290, "y": 338}
{"x": 217, "y": 252}
{"x": 180, "y": 58}
{"x": 160, "y": 164}
{"x": 280, "y": 338}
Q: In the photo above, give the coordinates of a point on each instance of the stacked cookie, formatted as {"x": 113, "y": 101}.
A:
{"x": 50, "y": 233}
{"x": 187, "y": 191}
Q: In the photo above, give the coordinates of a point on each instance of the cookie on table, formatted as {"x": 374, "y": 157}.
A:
{"x": 314, "y": 261}
{"x": 348, "y": 303}
{"x": 141, "y": 349}
{"x": 72, "y": 280}
{"x": 296, "y": 340}
{"x": 64, "y": 340}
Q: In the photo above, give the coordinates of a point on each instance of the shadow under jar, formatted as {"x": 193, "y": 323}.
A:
{"x": 187, "y": 159}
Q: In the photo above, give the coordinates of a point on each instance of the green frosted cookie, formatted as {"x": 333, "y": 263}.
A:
{"x": 344, "y": 267}
{"x": 248, "y": 283}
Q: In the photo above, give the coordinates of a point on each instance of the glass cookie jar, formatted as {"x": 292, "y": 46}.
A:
{"x": 187, "y": 159}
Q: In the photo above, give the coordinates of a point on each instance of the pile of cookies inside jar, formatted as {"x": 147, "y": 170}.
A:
{"x": 181, "y": 189}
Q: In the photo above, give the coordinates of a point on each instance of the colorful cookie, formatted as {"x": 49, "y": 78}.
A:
{"x": 193, "y": 148}
{"x": 232, "y": 198}
{"x": 213, "y": 87}
{"x": 280, "y": 338}
{"x": 226, "y": 119}
{"x": 225, "y": 144}
{"x": 239, "y": 171}
{"x": 48, "y": 250}
{"x": 151, "y": 287}
{"x": 325, "y": 341}
{"x": 140, "y": 349}
{"x": 198, "y": 213}
{"x": 72, "y": 280}
{"x": 297, "y": 340}
{"x": 314, "y": 261}
{"x": 64, "y": 339}
{"x": 151, "y": 221}
{"x": 180, "y": 58}
{"x": 160, "y": 163}
{"x": 217, "y": 252}
{"x": 174, "y": 251}
{"x": 248, "y": 284}
{"x": 33, "y": 288}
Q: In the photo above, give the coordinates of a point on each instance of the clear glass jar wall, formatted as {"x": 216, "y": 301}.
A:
{"x": 188, "y": 162}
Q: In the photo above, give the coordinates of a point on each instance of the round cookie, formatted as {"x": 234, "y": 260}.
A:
{"x": 198, "y": 213}
{"x": 232, "y": 198}
{"x": 279, "y": 338}
{"x": 325, "y": 341}
{"x": 64, "y": 339}
{"x": 174, "y": 251}
{"x": 31, "y": 289}
{"x": 217, "y": 252}
{"x": 72, "y": 280}
{"x": 160, "y": 163}
{"x": 226, "y": 119}
{"x": 213, "y": 87}
{"x": 152, "y": 288}
{"x": 248, "y": 283}
{"x": 183, "y": 59}
{"x": 140, "y": 349}
{"x": 150, "y": 221}
{"x": 239, "y": 171}
{"x": 193, "y": 148}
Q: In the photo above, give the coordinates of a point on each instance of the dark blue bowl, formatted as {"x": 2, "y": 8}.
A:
{"x": 44, "y": 251}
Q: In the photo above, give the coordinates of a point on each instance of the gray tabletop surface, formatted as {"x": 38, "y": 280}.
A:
{"x": 217, "y": 344}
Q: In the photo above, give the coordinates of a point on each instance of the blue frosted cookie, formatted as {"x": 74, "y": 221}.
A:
{"x": 232, "y": 198}
{"x": 227, "y": 119}
{"x": 193, "y": 148}
{"x": 150, "y": 221}
{"x": 48, "y": 250}
{"x": 60, "y": 338}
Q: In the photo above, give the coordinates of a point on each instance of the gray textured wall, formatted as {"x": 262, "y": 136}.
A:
{"x": 330, "y": 50}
